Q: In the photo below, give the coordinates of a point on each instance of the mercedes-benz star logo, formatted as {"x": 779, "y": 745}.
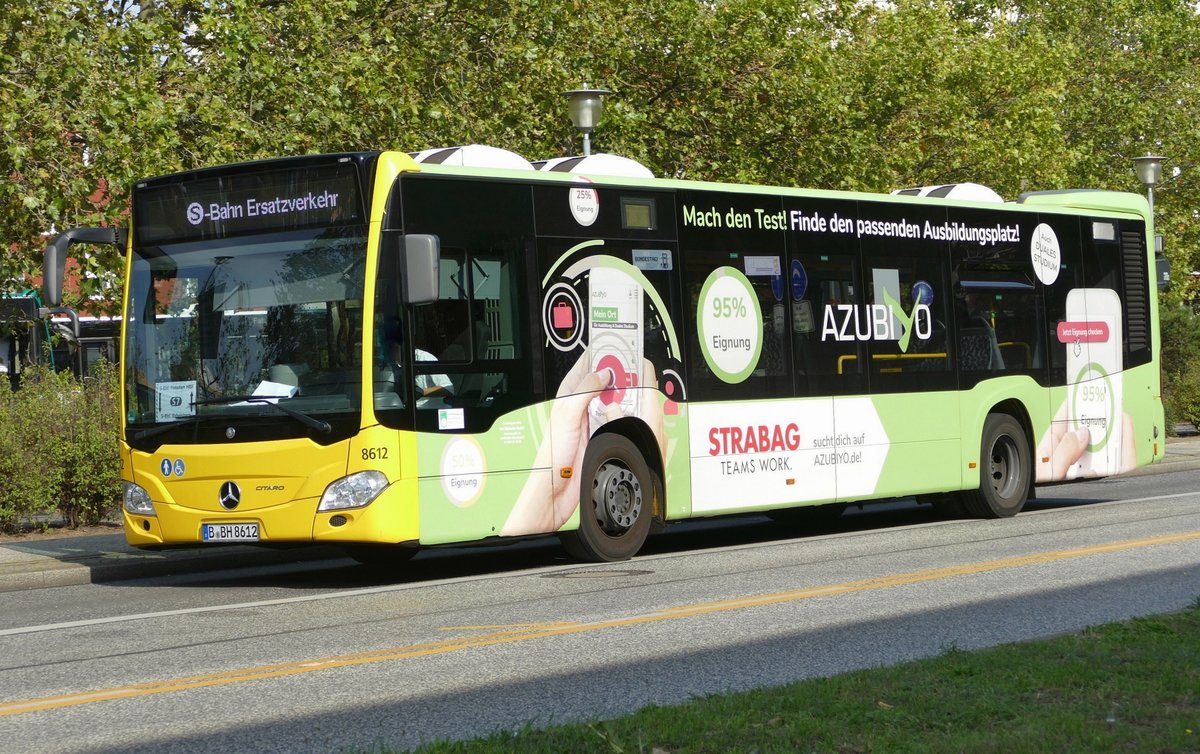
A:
{"x": 230, "y": 495}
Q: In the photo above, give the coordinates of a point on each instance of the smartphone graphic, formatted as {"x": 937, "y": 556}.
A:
{"x": 615, "y": 342}
{"x": 1092, "y": 335}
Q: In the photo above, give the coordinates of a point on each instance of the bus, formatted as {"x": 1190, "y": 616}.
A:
{"x": 365, "y": 350}
{"x": 76, "y": 343}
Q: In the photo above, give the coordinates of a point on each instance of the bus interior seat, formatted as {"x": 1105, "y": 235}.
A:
{"x": 384, "y": 381}
{"x": 469, "y": 386}
{"x": 480, "y": 332}
{"x": 978, "y": 348}
{"x": 288, "y": 374}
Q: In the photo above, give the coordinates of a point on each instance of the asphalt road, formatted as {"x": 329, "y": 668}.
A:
{"x": 295, "y": 658}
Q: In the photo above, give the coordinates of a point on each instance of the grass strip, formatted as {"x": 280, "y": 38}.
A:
{"x": 1122, "y": 687}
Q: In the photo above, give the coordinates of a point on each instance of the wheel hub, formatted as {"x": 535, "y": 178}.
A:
{"x": 617, "y": 494}
{"x": 1004, "y": 466}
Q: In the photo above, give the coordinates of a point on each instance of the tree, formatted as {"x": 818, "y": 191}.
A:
{"x": 1018, "y": 94}
{"x": 1132, "y": 69}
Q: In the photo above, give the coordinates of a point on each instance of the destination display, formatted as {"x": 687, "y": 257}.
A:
{"x": 247, "y": 202}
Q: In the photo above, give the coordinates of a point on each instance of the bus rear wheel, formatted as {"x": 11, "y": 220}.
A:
{"x": 1006, "y": 472}
{"x": 616, "y": 502}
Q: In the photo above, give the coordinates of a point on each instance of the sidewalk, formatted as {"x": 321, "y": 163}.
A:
{"x": 67, "y": 561}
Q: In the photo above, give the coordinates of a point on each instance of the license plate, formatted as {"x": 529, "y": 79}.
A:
{"x": 229, "y": 532}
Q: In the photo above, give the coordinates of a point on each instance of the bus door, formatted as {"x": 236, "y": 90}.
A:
{"x": 461, "y": 371}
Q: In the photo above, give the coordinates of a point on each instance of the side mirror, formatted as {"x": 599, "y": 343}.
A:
{"x": 54, "y": 259}
{"x": 422, "y": 260}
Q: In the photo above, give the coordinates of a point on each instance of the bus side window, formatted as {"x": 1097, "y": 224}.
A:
{"x": 999, "y": 311}
{"x": 999, "y": 315}
{"x": 825, "y": 361}
{"x": 910, "y": 302}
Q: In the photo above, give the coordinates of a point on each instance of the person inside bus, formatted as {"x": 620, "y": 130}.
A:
{"x": 430, "y": 387}
{"x": 430, "y": 384}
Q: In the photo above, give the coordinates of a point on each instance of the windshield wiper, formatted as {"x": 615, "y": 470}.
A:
{"x": 270, "y": 400}
{"x": 308, "y": 421}
{"x": 146, "y": 434}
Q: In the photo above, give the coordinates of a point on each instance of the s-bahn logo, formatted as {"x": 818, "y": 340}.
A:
{"x": 886, "y": 321}
{"x": 195, "y": 213}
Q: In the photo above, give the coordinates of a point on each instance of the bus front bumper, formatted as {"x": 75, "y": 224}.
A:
{"x": 389, "y": 519}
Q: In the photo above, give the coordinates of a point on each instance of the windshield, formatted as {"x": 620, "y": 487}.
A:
{"x": 226, "y": 328}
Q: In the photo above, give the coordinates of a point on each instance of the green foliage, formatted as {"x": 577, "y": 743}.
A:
{"x": 1181, "y": 399}
{"x": 59, "y": 448}
{"x": 1180, "y": 331}
{"x": 91, "y": 482}
{"x": 1017, "y": 94}
{"x": 30, "y": 480}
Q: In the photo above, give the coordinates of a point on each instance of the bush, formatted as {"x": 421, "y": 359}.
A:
{"x": 1180, "y": 333}
{"x": 28, "y": 477}
{"x": 1182, "y": 402}
{"x": 58, "y": 447}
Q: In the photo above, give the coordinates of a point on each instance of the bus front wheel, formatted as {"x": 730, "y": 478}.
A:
{"x": 1006, "y": 470}
{"x": 616, "y": 501}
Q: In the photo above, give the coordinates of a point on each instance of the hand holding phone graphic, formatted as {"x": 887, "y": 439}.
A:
{"x": 615, "y": 343}
{"x": 1092, "y": 334}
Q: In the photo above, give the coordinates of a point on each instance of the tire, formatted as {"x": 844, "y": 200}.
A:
{"x": 381, "y": 556}
{"x": 616, "y": 502}
{"x": 1006, "y": 470}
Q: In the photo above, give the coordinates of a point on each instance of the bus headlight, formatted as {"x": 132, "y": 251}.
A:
{"x": 353, "y": 491}
{"x": 136, "y": 500}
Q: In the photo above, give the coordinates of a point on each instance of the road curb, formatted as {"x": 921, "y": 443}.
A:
{"x": 26, "y": 567}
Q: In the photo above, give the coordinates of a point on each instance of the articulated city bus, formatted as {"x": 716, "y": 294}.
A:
{"x": 366, "y": 350}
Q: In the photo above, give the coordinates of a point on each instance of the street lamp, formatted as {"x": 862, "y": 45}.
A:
{"x": 585, "y": 106}
{"x": 1149, "y": 171}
